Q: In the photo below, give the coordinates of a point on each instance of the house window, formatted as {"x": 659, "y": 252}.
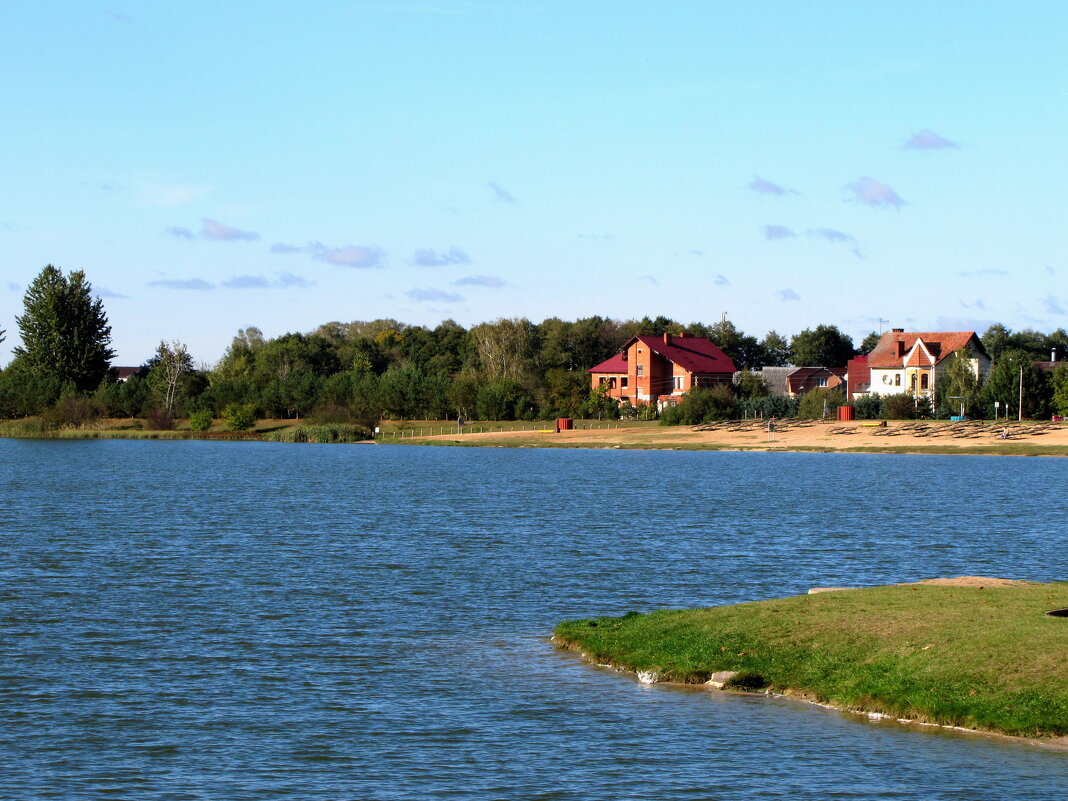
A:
{"x": 678, "y": 382}
{"x": 923, "y": 381}
{"x": 897, "y": 380}
{"x": 623, "y": 382}
{"x": 612, "y": 383}
{"x": 641, "y": 370}
{"x": 912, "y": 382}
{"x": 822, "y": 381}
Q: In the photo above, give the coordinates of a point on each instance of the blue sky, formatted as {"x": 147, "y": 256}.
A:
{"x": 213, "y": 166}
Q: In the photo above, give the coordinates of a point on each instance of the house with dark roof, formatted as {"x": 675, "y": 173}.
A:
{"x": 660, "y": 370}
{"x": 912, "y": 362}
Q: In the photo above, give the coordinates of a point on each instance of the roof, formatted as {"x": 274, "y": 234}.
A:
{"x": 617, "y": 364}
{"x": 939, "y": 345}
{"x": 695, "y": 354}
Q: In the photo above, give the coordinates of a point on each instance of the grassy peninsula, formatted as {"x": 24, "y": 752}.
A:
{"x": 979, "y": 657}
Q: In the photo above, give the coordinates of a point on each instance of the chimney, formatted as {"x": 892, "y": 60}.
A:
{"x": 667, "y": 338}
{"x": 1053, "y": 355}
{"x": 897, "y": 330}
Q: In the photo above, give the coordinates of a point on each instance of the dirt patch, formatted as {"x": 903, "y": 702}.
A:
{"x": 972, "y": 581}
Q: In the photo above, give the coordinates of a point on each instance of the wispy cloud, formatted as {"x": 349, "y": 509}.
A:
{"x": 786, "y": 295}
{"x": 830, "y": 234}
{"x": 283, "y": 281}
{"x": 491, "y": 281}
{"x": 428, "y": 257}
{"x": 721, "y": 280}
{"x": 1050, "y": 270}
{"x": 982, "y": 272}
{"x": 772, "y": 232}
{"x": 12, "y": 286}
{"x": 649, "y": 280}
{"x": 359, "y": 256}
{"x": 977, "y": 304}
{"x": 183, "y": 283}
{"x": 762, "y": 187}
{"x": 220, "y": 232}
{"x": 929, "y": 140}
{"x": 502, "y": 194}
{"x": 1051, "y": 305}
{"x": 180, "y": 233}
{"x": 169, "y": 196}
{"x": 288, "y": 279}
{"x": 246, "y": 282}
{"x": 433, "y": 296}
{"x": 282, "y": 247}
{"x": 104, "y": 292}
{"x": 873, "y": 193}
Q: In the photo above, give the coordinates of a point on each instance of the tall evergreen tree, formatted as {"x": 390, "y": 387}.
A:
{"x": 65, "y": 332}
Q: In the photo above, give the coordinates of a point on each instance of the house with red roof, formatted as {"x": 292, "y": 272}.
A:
{"x": 661, "y": 369}
{"x": 912, "y": 362}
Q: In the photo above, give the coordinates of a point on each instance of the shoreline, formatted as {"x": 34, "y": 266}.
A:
{"x": 910, "y": 654}
{"x": 1059, "y": 743}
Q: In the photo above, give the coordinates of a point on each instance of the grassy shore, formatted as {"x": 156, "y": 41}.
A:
{"x": 978, "y": 657}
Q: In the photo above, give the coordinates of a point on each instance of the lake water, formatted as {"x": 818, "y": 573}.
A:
{"x": 196, "y": 620}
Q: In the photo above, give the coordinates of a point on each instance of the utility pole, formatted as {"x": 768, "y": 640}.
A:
{"x": 1020, "y": 409}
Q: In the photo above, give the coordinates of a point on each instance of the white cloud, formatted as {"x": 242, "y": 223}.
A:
{"x": 1051, "y": 305}
{"x": 502, "y": 194}
{"x": 181, "y": 233}
{"x": 772, "y": 232}
{"x": 431, "y": 258}
{"x": 183, "y": 283}
{"x": 874, "y": 193}
{"x": 929, "y": 140}
{"x": 763, "y": 187}
{"x": 220, "y": 232}
{"x": 359, "y": 256}
{"x": 433, "y": 295}
{"x": 491, "y": 281}
{"x": 721, "y": 280}
{"x": 786, "y": 295}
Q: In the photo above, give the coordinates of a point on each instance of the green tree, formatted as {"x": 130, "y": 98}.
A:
{"x": 1003, "y": 385}
{"x": 776, "y": 350}
{"x": 958, "y": 386}
{"x": 1060, "y": 389}
{"x": 867, "y": 345}
{"x": 751, "y": 385}
{"x": 65, "y": 332}
{"x": 820, "y": 402}
{"x": 823, "y": 346}
{"x": 172, "y": 361}
{"x": 996, "y": 340}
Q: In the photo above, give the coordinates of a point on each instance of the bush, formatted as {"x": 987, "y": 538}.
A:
{"x": 701, "y": 406}
{"x": 816, "y": 401}
{"x": 868, "y": 407}
{"x": 75, "y": 410}
{"x": 239, "y": 416}
{"x": 159, "y": 419}
{"x": 898, "y": 407}
{"x": 200, "y": 420}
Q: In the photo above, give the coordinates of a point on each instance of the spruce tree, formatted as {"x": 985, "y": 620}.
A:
{"x": 65, "y": 332}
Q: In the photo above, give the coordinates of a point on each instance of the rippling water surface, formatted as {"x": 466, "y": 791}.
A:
{"x": 194, "y": 620}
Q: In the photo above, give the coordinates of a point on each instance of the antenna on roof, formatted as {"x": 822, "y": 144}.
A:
{"x": 881, "y": 321}
{"x": 723, "y": 317}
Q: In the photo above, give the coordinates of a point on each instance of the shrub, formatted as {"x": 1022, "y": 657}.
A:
{"x": 159, "y": 419}
{"x": 74, "y": 410}
{"x": 239, "y": 416}
{"x": 701, "y": 406}
{"x": 816, "y": 401}
{"x": 899, "y": 407}
{"x": 868, "y": 407}
{"x": 200, "y": 420}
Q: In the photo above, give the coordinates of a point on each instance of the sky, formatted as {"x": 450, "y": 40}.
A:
{"x": 218, "y": 165}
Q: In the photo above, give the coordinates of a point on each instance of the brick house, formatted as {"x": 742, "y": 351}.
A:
{"x": 912, "y": 362}
{"x": 805, "y": 379}
{"x": 652, "y": 369}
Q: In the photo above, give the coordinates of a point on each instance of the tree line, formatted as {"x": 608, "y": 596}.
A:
{"x": 361, "y": 372}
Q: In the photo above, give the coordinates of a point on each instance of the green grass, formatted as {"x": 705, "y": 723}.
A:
{"x": 987, "y": 659}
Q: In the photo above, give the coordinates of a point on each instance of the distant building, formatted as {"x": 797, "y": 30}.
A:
{"x": 660, "y": 370}
{"x": 912, "y": 362}
{"x": 123, "y": 373}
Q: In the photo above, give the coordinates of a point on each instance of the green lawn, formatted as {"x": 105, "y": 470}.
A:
{"x": 986, "y": 659}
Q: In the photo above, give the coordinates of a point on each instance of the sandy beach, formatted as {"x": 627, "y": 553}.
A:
{"x": 1016, "y": 439}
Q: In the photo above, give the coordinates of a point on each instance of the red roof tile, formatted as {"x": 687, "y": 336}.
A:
{"x": 696, "y": 354}
{"x": 617, "y": 364}
{"x": 940, "y": 344}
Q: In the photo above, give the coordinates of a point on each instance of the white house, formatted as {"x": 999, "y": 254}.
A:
{"x": 912, "y": 362}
